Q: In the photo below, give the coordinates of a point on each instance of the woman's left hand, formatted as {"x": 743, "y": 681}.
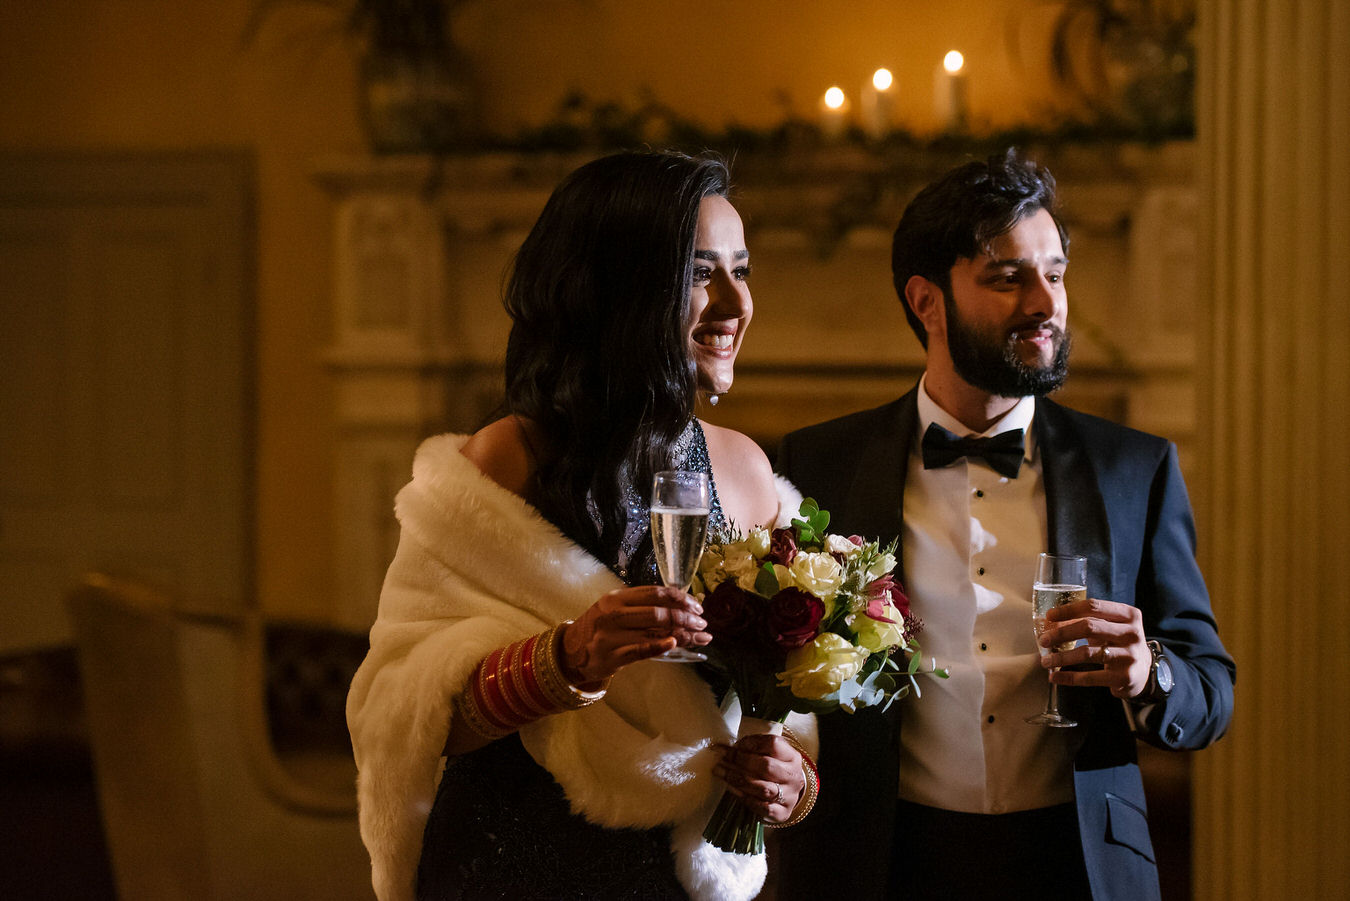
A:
{"x": 766, "y": 772}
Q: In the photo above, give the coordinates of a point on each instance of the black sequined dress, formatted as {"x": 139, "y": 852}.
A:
{"x": 501, "y": 827}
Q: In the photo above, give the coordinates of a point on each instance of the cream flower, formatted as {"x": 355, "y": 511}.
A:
{"x": 876, "y": 635}
{"x": 882, "y": 565}
{"x": 757, "y": 542}
{"x": 818, "y": 669}
{"x": 740, "y": 565}
{"x": 817, "y": 573}
{"x": 838, "y": 544}
{"x": 710, "y": 566}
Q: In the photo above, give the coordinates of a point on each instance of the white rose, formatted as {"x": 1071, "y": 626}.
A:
{"x": 838, "y": 544}
{"x": 757, "y": 542}
{"x": 710, "y": 567}
{"x": 741, "y": 566}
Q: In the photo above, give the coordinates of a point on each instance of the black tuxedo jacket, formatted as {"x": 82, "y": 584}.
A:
{"x": 1114, "y": 495}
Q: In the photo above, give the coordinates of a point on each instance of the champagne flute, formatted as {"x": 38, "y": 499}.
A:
{"x": 680, "y": 506}
{"x": 1060, "y": 580}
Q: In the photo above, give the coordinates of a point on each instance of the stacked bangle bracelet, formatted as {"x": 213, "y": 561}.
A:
{"x": 518, "y": 684}
{"x": 812, "y": 775}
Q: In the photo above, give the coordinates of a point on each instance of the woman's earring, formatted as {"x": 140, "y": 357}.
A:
{"x": 713, "y": 398}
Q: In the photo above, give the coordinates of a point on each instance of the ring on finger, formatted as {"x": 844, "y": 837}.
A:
{"x": 778, "y": 798}
{"x": 1105, "y": 655}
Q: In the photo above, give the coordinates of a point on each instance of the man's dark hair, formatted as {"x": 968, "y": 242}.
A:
{"x": 959, "y": 216}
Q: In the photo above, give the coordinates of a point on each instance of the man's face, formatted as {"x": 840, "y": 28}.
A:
{"x": 1007, "y": 310}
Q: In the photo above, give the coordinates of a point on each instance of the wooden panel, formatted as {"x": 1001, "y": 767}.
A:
{"x": 124, "y": 407}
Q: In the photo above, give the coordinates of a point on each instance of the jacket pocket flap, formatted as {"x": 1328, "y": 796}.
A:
{"x": 1127, "y": 825}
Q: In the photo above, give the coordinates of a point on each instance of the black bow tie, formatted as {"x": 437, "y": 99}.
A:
{"x": 1003, "y": 452}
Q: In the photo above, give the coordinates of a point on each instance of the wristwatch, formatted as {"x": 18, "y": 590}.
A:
{"x": 1160, "y": 682}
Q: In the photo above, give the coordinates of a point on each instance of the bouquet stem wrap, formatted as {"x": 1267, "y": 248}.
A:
{"x": 733, "y": 826}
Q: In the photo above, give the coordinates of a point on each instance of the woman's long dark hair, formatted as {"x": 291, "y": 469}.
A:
{"x": 598, "y": 358}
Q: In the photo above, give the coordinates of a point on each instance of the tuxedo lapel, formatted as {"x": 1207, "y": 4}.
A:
{"x": 874, "y": 507}
{"x": 1075, "y": 512}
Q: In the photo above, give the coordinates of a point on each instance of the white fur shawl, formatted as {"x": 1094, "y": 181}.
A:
{"x": 478, "y": 568}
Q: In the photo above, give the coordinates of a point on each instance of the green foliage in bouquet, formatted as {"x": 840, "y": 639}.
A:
{"x": 807, "y": 621}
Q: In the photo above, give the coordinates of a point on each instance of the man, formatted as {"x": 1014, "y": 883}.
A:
{"x": 954, "y": 795}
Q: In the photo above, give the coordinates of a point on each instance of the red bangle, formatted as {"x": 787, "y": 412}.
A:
{"x": 520, "y": 682}
{"x": 487, "y": 692}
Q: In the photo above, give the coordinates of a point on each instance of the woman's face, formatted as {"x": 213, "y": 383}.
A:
{"x": 719, "y": 305}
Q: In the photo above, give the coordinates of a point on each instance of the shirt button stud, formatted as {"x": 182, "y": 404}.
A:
{"x": 991, "y": 717}
{"x": 979, "y": 493}
{"x": 983, "y": 646}
{"x": 980, "y": 571}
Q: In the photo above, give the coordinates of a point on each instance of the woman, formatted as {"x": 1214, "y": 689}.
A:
{"x": 574, "y": 769}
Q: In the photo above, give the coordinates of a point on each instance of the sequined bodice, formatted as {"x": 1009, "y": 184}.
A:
{"x": 636, "y": 563}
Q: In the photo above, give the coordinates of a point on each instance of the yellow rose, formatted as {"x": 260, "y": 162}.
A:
{"x": 876, "y": 635}
{"x": 817, "y": 573}
{"x": 818, "y": 669}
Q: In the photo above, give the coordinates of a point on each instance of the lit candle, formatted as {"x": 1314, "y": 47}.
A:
{"x": 878, "y": 104}
{"x": 833, "y": 112}
{"x": 949, "y": 92}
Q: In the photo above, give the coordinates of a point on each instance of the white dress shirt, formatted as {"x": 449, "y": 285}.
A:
{"x": 970, "y": 542}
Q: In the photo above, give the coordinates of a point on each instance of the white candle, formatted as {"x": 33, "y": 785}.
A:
{"x": 949, "y": 93}
{"x": 833, "y": 112}
{"x": 878, "y": 104}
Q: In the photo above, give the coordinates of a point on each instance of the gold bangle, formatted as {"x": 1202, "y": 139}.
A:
{"x": 556, "y": 687}
{"x": 808, "y": 799}
{"x": 467, "y": 706}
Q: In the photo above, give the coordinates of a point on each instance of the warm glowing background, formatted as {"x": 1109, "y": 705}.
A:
{"x": 161, "y": 74}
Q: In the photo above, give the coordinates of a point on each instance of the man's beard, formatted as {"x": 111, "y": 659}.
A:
{"x": 994, "y": 366}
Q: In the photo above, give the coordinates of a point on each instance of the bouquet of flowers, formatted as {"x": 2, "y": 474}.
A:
{"x": 803, "y": 621}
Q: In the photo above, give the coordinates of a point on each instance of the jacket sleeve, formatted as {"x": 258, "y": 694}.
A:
{"x": 1175, "y": 604}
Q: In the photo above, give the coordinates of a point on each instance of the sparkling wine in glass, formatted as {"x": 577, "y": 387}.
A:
{"x": 680, "y": 506}
{"x": 1060, "y": 580}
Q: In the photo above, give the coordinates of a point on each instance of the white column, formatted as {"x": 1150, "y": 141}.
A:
{"x": 390, "y": 352}
{"x": 1272, "y": 799}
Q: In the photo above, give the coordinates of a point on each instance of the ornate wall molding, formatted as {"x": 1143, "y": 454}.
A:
{"x": 421, "y": 245}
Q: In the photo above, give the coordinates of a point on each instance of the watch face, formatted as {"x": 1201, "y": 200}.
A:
{"x": 1164, "y": 675}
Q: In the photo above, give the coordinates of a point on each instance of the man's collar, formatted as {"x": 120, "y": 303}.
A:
{"x": 1019, "y": 417}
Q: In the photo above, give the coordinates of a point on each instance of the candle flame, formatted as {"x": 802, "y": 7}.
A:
{"x": 834, "y": 98}
{"x": 953, "y": 61}
{"x": 882, "y": 79}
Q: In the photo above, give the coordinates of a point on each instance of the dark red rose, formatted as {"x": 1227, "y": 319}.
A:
{"x": 794, "y": 617}
{"x": 782, "y": 546}
{"x": 731, "y": 613}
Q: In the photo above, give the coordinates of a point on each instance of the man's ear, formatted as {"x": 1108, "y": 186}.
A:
{"x": 925, "y": 299}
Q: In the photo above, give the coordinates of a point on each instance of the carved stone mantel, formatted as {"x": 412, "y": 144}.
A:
{"x": 422, "y": 246}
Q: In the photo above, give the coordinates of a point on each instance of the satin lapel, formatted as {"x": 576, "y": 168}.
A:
{"x": 1075, "y": 512}
{"x": 876, "y": 497}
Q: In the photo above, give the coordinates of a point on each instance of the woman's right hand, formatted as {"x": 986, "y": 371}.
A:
{"x": 627, "y": 625}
